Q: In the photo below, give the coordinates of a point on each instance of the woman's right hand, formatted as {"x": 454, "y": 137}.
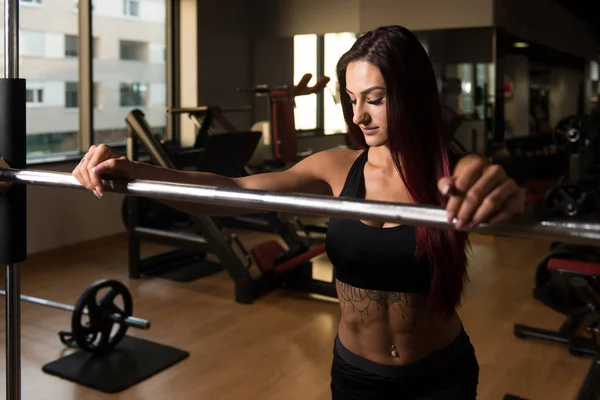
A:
{"x": 101, "y": 160}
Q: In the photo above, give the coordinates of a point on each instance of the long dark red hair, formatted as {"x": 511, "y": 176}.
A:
{"x": 418, "y": 142}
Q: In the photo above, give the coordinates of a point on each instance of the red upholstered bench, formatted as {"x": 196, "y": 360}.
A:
{"x": 536, "y": 189}
{"x": 266, "y": 253}
{"x": 574, "y": 266}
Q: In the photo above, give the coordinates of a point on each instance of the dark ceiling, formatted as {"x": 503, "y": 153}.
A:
{"x": 586, "y": 10}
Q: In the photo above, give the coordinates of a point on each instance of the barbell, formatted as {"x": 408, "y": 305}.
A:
{"x": 524, "y": 226}
{"x": 96, "y": 334}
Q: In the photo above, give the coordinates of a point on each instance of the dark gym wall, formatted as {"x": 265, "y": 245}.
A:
{"x": 275, "y": 23}
{"x": 233, "y": 53}
{"x": 295, "y": 17}
{"x": 292, "y": 17}
{"x": 225, "y": 55}
{"x": 273, "y": 64}
{"x": 546, "y": 22}
{"x": 425, "y": 14}
{"x": 453, "y": 46}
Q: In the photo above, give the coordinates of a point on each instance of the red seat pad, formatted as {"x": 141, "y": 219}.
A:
{"x": 265, "y": 253}
{"x": 582, "y": 267}
{"x": 536, "y": 189}
{"x": 285, "y": 140}
{"x": 300, "y": 258}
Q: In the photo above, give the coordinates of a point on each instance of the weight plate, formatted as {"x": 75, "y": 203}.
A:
{"x": 573, "y": 133}
{"x": 95, "y": 332}
{"x": 571, "y": 200}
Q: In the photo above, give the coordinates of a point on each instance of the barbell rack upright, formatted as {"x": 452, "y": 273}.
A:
{"x": 13, "y": 203}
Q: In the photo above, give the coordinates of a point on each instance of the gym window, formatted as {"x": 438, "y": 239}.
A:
{"x": 305, "y": 62}
{"x": 318, "y": 55}
{"x": 336, "y": 44}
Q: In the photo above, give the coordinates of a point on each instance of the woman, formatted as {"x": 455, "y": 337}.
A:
{"x": 399, "y": 334}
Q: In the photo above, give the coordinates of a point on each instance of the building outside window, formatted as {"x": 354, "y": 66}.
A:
{"x": 128, "y": 71}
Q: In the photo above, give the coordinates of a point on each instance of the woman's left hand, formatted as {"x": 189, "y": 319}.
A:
{"x": 479, "y": 192}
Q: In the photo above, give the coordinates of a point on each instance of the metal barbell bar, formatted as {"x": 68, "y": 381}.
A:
{"x": 133, "y": 322}
{"x": 566, "y": 231}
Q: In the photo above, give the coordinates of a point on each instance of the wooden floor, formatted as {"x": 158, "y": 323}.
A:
{"x": 281, "y": 346}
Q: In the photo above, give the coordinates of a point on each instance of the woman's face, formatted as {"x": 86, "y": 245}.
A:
{"x": 366, "y": 88}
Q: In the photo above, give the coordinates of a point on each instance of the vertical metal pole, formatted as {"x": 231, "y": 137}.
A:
{"x": 86, "y": 94}
{"x": 320, "y": 122}
{"x": 13, "y": 333}
{"x": 13, "y": 289}
{"x": 170, "y": 70}
{"x": 11, "y": 39}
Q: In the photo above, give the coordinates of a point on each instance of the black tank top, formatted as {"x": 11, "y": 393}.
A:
{"x": 374, "y": 258}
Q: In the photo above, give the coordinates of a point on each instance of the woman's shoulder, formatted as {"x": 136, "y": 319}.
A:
{"x": 332, "y": 164}
{"x": 338, "y": 156}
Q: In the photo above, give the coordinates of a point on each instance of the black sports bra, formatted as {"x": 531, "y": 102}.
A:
{"x": 374, "y": 258}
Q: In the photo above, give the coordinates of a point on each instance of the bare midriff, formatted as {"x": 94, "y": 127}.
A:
{"x": 391, "y": 328}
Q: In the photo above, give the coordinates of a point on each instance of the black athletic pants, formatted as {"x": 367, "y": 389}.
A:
{"x": 451, "y": 373}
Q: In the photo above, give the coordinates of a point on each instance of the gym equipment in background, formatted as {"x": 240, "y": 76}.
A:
{"x": 279, "y": 146}
{"x": 279, "y": 149}
{"x": 576, "y": 193}
{"x": 105, "y": 357}
{"x": 96, "y": 334}
{"x": 567, "y": 279}
{"x": 210, "y": 121}
{"x": 206, "y": 236}
{"x": 571, "y": 287}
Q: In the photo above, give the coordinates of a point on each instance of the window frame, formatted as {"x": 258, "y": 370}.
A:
{"x": 86, "y": 87}
{"x": 319, "y": 129}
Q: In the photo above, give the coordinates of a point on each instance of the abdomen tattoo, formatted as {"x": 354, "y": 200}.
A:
{"x": 361, "y": 300}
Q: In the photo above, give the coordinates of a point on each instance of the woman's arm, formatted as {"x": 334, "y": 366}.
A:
{"x": 308, "y": 176}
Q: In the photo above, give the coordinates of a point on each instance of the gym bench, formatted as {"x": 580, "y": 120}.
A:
{"x": 580, "y": 278}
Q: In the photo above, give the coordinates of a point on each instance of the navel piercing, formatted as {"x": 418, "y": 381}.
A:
{"x": 394, "y": 353}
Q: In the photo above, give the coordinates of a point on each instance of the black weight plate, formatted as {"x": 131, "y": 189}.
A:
{"x": 571, "y": 200}
{"x": 575, "y": 132}
{"x": 569, "y": 134}
{"x": 94, "y": 332}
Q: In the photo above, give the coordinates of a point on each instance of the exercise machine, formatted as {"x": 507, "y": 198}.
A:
{"x": 567, "y": 280}
{"x": 279, "y": 148}
{"x": 209, "y": 120}
{"x": 278, "y": 266}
